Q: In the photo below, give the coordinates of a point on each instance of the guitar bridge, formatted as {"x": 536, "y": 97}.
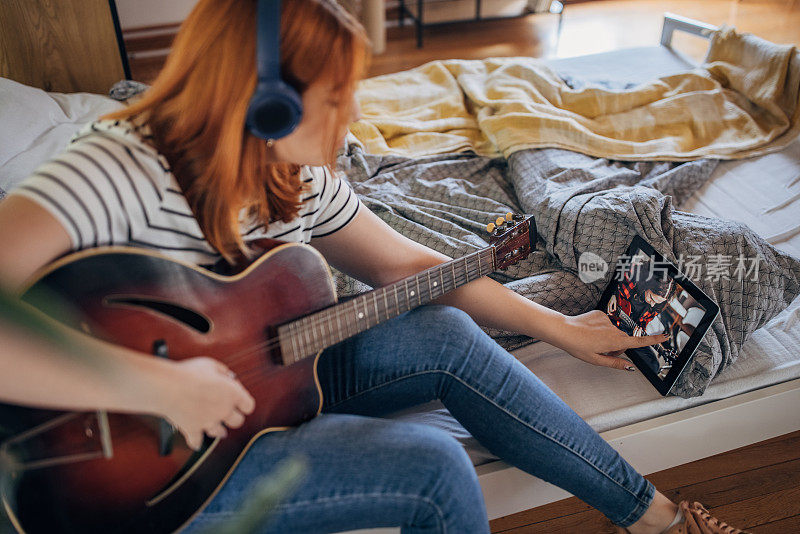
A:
{"x": 44, "y": 445}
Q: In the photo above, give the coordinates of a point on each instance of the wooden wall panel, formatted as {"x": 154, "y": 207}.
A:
{"x": 60, "y": 45}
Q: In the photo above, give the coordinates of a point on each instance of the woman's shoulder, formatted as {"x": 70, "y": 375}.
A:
{"x": 120, "y": 134}
{"x": 120, "y": 150}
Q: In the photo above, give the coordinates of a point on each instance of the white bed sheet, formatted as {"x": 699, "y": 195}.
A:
{"x": 763, "y": 193}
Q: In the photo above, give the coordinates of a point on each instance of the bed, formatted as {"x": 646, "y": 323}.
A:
{"x": 757, "y": 398}
{"x": 753, "y": 400}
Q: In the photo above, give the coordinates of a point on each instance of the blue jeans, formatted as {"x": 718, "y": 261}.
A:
{"x": 371, "y": 472}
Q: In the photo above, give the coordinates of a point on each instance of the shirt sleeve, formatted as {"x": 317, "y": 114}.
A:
{"x": 79, "y": 190}
{"x": 338, "y": 205}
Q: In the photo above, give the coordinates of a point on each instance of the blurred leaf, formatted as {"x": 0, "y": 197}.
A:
{"x": 266, "y": 494}
{"x": 15, "y": 313}
{"x": 8, "y": 465}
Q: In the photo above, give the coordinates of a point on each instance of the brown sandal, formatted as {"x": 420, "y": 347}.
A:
{"x": 696, "y": 520}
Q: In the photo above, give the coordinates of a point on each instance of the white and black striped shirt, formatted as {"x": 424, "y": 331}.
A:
{"x": 110, "y": 187}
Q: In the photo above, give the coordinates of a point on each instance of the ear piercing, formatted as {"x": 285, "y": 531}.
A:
{"x": 270, "y": 142}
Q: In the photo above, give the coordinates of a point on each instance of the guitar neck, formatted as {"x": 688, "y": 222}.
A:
{"x": 307, "y": 336}
{"x": 626, "y": 319}
{"x": 667, "y": 354}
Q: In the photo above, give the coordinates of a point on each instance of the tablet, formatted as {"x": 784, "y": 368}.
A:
{"x": 648, "y": 295}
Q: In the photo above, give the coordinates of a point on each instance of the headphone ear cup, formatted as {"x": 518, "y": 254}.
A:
{"x": 275, "y": 110}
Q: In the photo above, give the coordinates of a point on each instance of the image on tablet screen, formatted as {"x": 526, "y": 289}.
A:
{"x": 649, "y": 301}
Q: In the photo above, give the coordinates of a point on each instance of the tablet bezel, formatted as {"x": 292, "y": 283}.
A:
{"x": 711, "y": 311}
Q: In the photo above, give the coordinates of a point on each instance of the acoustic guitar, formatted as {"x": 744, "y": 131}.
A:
{"x": 110, "y": 472}
{"x": 669, "y": 355}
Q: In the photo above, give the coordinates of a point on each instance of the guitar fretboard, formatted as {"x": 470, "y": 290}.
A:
{"x": 307, "y": 336}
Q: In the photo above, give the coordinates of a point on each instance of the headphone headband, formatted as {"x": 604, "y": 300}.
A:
{"x": 275, "y": 108}
{"x": 268, "y": 36}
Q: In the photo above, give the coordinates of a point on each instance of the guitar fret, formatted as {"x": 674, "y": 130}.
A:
{"x": 466, "y": 269}
{"x": 396, "y": 300}
{"x": 441, "y": 280}
{"x": 430, "y": 290}
{"x": 419, "y": 297}
{"x": 306, "y": 338}
{"x": 327, "y": 335}
{"x": 385, "y": 303}
{"x": 375, "y": 302}
{"x": 314, "y": 335}
{"x": 295, "y": 352}
{"x": 318, "y": 328}
{"x": 339, "y": 337}
{"x": 353, "y": 325}
{"x": 453, "y": 267}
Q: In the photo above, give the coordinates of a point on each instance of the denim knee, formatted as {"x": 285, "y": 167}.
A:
{"x": 452, "y": 488}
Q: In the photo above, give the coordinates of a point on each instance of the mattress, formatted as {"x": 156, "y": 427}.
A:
{"x": 762, "y": 192}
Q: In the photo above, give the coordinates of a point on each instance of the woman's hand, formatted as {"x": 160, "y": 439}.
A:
{"x": 203, "y": 396}
{"x": 592, "y": 337}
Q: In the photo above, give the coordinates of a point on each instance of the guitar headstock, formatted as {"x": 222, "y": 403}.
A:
{"x": 513, "y": 237}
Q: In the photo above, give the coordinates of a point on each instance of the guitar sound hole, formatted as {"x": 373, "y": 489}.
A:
{"x": 179, "y": 313}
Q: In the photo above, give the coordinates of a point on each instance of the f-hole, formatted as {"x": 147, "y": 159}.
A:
{"x": 179, "y": 313}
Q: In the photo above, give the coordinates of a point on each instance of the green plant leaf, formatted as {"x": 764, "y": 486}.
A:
{"x": 266, "y": 494}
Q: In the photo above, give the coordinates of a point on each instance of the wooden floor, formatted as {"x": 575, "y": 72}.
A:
{"x": 755, "y": 488}
{"x": 586, "y": 28}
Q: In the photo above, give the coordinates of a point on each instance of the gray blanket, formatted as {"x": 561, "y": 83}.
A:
{"x": 582, "y": 204}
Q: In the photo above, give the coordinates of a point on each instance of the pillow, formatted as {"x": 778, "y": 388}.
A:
{"x": 36, "y": 125}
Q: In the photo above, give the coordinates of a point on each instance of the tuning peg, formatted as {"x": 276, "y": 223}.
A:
{"x": 490, "y": 227}
{"x": 500, "y": 221}
{"x": 509, "y": 216}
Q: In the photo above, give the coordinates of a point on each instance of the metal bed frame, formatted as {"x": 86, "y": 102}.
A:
{"x": 556, "y": 8}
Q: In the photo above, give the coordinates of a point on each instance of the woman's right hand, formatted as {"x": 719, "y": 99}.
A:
{"x": 204, "y": 396}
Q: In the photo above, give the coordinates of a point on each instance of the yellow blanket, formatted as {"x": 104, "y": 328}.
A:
{"x": 742, "y": 102}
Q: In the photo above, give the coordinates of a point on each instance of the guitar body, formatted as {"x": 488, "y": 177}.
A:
{"x": 144, "y": 478}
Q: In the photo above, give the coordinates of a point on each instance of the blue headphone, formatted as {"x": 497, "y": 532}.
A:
{"x": 275, "y": 107}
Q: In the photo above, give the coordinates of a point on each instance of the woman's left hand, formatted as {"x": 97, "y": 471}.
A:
{"x": 592, "y": 337}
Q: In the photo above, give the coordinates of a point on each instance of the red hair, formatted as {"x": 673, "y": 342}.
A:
{"x": 196, "y": 107}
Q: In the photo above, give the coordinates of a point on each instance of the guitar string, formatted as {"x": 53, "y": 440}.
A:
{"x": 258, "y": 368}
{"x": 316, "y": 319}
{"x": 326, "y": 318}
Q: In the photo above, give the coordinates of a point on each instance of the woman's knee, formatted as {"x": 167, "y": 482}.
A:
{"x": 448, "y": 479}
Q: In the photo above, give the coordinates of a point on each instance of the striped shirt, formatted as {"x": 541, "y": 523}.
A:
{"x": 111, "y": 187}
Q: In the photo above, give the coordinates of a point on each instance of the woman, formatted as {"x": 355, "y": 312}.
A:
{"x": 178, "y": 172}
